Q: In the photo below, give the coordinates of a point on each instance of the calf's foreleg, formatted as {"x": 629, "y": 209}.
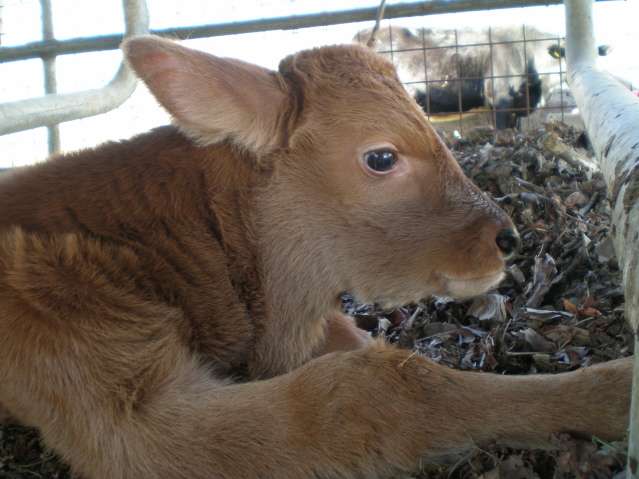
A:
{"x": 366, "y": 413}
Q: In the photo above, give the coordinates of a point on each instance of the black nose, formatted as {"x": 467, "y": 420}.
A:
{"x": 508, "y": 241}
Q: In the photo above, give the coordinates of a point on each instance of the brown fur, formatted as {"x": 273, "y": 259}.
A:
{"x": 140, "y": 278}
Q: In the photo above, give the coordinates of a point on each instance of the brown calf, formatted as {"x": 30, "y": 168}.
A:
{"x": 138, "y": 278}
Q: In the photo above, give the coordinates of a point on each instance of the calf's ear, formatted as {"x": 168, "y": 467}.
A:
{"x": 212, "y": 99}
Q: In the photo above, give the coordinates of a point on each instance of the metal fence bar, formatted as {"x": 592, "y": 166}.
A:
{"x": 562, "y": 78}
{"x": 460, "y": 106}
{"x": 50, "y": 79}
{"x": 611, "y": 115}
{"x": 492, "y": 75}
{"x": 53, "y": 109}
{"x": 527, "y": 71}
{"x": 476, "y": 44}
{"x": 426, "y": 86}
{"x": 412, "y": 9}
{"x": 1, "y": 12}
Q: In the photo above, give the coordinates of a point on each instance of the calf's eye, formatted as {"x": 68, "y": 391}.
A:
{"x": 381, "y": 160}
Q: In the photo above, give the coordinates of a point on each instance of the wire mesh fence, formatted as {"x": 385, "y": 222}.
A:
{"x": 503, "y": 77}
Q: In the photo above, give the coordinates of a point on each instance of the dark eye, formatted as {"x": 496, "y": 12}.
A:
{"x": 381, "y": 160}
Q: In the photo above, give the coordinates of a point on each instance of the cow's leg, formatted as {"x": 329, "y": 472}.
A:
{"x": 374, "y": 412}
{"x": 367, "y": 413}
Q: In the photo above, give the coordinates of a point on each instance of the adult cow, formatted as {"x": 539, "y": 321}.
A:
{"x": 457, "y": 70}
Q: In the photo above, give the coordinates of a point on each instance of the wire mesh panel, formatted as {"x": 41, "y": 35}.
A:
{"x": 504, "y": 77}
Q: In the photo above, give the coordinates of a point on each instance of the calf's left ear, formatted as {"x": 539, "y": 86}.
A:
{"x": 210, "y": 98}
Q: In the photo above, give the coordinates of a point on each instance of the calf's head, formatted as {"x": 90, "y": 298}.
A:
{"x": 359, "y": 193}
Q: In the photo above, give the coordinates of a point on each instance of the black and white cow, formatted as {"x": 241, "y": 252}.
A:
{"x": 458, "y": 70}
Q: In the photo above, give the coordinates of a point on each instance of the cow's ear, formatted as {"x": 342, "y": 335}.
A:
{"x": 556, "y": 51}
{"x": 212, "y": 99}
{"x": 604, "y": 50}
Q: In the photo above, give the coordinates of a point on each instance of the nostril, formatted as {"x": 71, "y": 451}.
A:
{"x": 508, "y": 241}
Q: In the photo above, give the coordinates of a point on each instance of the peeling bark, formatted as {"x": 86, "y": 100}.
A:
{"x": 611, "y": 116}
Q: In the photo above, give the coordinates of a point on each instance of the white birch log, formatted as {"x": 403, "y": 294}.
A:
{"x": 611, "y": 116}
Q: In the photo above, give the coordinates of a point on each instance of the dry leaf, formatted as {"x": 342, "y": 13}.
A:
{"x": 570, "y": 306}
